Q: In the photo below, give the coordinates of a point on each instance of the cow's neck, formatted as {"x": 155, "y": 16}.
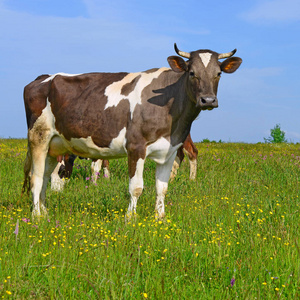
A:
{"x": 183, "y": 111}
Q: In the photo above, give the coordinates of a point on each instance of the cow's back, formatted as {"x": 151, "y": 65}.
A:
{"x": 78, "y": 105}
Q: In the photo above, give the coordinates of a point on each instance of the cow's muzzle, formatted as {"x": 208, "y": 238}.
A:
{"x": 207, "y": 102}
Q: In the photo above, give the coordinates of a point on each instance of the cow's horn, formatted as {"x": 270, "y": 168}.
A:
{"x": 225, "y": 55}
{"x": 181, "y": 53}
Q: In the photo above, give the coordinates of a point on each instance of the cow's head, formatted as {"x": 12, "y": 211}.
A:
{"x": 203, "y": 70}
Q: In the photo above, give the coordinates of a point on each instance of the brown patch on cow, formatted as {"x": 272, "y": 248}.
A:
{"x": 129, "y": 87}
{"x": 136, "y": 150}
{"x": 78, "y": 106}
{"x": 35, "y": 99}
{"x": 42, "y": 77}
{"x": 151, "y": 71}
{"x": 105, "y": 163}
{"x": 180, "y": 155}
{"x": 69, "y": 163}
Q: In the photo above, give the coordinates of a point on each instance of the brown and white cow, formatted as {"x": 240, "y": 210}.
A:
{"x": 112, "y": 115}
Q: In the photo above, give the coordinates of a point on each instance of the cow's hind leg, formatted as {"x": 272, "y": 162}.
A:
{"x": 39, "y": 155}
{"x": 57, "y": 183}
{"x": 162, "y": 177}
{"x": 27, "y": 173}
{"x": 193, "y": 168}
{"x": 50, "y": 165}
{"x": 192, "y": 154}
{"x": 191, "y": 151}
{"x": 39, "y": 139}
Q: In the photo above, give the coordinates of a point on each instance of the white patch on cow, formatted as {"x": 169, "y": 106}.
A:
{"x": 161, "y": 150}
{"x": 57, "y": 183}
{"x": 205, "y": 57}
{"x": 46, "y": 118}
{"x": 113, "y": 91}
{"x": 61, "y": 74}
{"x": 118, "y": 144}
{"x": 44, "y": 125}
{"x": 87, "y": 148}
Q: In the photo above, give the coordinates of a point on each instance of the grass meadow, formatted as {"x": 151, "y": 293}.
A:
{"x": 232, "y": 233}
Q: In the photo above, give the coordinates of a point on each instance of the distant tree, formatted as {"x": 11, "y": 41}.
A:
{"x": 213, "y": 142}
{"x": 276, "y": 136}
{"x": 205, "y": 141}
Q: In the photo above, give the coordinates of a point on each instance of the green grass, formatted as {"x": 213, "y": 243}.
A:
{"x": 233, "y": 233}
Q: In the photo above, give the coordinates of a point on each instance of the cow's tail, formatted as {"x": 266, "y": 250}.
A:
{"x": 27, "y": 170}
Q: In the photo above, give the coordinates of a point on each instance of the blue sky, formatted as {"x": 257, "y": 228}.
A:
{"x": 51, "y": 36}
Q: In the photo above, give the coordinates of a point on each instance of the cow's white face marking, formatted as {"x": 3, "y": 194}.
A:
{"x": 205, "y": 57}
{"x": 113, "y": 91}
{"x": 61, "y": 74}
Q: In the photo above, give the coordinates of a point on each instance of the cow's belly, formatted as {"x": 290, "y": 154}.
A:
{"x": 161, "y": 150}
{"x": 85, "y": 147}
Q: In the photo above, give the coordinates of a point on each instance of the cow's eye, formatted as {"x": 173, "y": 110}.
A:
{"x": 192, "y": 74}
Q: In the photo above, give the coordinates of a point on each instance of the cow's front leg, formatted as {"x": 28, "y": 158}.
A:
{"x": 163, "y": 172}
{"x": 136, "y": 161}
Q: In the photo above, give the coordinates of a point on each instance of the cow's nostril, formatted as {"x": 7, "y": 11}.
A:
{"x": 208, "y": 100}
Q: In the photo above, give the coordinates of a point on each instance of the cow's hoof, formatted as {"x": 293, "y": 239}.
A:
{"x": 159, "y": 216}
{"x": 37, "y": 215}
{"x": 44, "y": 211}
{"x": 130, "y": 217}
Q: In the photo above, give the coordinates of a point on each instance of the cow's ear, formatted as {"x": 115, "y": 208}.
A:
{"x": 177, "y": 64}
{"x": 231, "y": 64}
